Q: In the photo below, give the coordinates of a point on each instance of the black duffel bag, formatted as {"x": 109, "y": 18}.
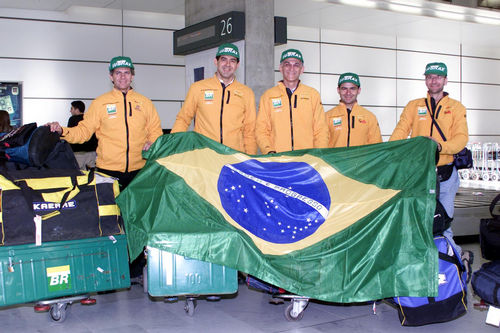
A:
{"x": 489, "y": 232}
{"x": 68, "y": 205}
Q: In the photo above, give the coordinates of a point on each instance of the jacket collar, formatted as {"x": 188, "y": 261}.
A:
{"x": 442, "y": 100}
{"x": 283, "y": 87}
{"x": 118, "y": 92}
{"x": 216, "y": 79}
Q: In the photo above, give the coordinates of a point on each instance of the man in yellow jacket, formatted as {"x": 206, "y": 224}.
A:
{"x": 291, "y": 115}
{"x": 223, "y": 108}
{"x": 124, "y": 121}
{"x": 428, "y": 117}
{"x": 349, "y": 123}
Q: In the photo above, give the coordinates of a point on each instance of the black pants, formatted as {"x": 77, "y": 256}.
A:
{"x": 124, "y": 178}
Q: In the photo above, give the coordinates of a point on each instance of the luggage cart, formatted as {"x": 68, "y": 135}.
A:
{"x": 477, "y": 156}
{"x": 57, "y": 274}
{"x": 496, "y": 159}
{"x": 294, "y": 311}
{"x": 57, "y": 308}
{"x": 169, "y": 275}
{"x": 489, "y": 162}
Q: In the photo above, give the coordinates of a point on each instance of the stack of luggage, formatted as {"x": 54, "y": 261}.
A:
{"x": 61, "y": 232}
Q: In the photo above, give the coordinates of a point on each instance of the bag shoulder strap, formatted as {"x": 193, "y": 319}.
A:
{"x": 452, "y": 260}
{"x": 434, "y": 122}
{"x": 493, "y": 204}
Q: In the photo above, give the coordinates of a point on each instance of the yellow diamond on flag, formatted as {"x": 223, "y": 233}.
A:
{"x": 350, "y": 200}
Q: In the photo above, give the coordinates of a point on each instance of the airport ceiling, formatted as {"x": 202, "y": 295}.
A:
{"x": 438, "y": 20}
{"x": 160, "y": 6}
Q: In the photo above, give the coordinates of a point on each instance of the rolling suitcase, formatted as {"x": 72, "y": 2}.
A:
{"x": 170, "y": 275}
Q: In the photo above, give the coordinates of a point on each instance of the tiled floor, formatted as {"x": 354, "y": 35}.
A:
{"x": 248, "y": 311}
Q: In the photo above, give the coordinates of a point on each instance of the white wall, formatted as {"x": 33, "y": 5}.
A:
{"x": 391, "y": 73}
{"x": 64, "y": 56}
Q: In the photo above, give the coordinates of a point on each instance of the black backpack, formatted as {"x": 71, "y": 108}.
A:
{"x": 29, "y": 145}
{"x": 32, "y": 147}
{"x": 486, "y": 283}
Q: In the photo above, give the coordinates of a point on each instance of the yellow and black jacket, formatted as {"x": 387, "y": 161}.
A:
{"x": 356, "y": 128}
{"x": 293, "y": 123}
{"x": 224, "y": 114}
{"x": 122, "y": 123}
{"x": 450, "y": 114}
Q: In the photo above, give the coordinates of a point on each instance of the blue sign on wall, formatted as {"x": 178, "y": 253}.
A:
{"x": 11, "y": 101}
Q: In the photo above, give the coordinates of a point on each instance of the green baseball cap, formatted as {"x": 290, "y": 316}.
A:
{"x": 349, "y": 77}
{"x": 438, "y": 68}
{"x": 120, "y": 61}
{"x": 291, "y": 53}
{"x": 228, "y": 49}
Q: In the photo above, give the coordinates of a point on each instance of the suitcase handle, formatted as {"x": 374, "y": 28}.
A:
{"x": 65, "y": 195}
{"x": 70, "y": 193}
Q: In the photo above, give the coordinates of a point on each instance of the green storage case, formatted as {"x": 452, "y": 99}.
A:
{"x": 173, "y": 275}
{"x": 31, "y": 273}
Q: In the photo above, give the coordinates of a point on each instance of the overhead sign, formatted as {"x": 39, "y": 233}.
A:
{"x": 226, "y": 28}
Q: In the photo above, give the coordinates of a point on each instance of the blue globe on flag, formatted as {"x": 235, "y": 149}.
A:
{"x": 280, "y": 202}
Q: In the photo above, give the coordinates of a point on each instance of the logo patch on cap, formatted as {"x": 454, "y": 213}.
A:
{"x": 349, "y": 77}
{"x": 291, "y": 53}
{"x": 228, "y": 49}
{"x": 120, "y": 61}
{"x": 437, "y": 68}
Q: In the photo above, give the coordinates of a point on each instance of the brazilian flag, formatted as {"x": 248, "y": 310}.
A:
{"x": 341, "y": 225}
